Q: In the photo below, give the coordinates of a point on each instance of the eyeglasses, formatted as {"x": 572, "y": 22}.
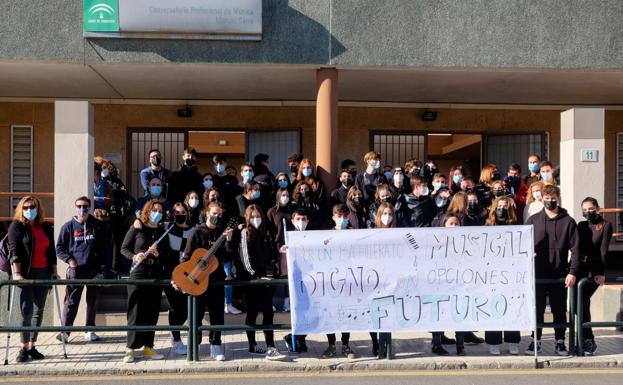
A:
{"x": 82, "y": 206}
{"x": 29, "y": 207}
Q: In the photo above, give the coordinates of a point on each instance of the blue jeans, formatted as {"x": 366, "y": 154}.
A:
{"x": 229, "y": 290}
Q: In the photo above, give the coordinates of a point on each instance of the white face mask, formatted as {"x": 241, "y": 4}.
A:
{"x": 376, "y": 164}
{"x": 193, "y": 203}
{"x": 300, "y": 225}
{"x": 537, "y": 195}
{"x": 398, "y": 178}
{"x": 256, "y": 222}
{"x": 284, "y": 200}
{"x": 386, "y": 219}
{"x": 424, "y": 191}
{"x": 105, "y": 173}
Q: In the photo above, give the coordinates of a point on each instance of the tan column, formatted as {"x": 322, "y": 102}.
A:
{"x": 326, "y": 127}
{"x": 73, "y": 172}
{"x": 582, "y": 158}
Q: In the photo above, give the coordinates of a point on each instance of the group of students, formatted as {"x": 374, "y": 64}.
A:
{"x": 188, "y": 210}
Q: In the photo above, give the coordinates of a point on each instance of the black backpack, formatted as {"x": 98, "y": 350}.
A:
{"x": 5, "y": 264}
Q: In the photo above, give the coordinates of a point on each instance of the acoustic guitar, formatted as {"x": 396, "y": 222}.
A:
{"x": 193, "y": 276}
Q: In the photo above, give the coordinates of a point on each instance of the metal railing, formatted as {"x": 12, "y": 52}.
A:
{"x": 580, "y": 324}
{"x": 194, "y": 329}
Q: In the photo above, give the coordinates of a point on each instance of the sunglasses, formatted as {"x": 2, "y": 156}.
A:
{"x": 29, "y": 207}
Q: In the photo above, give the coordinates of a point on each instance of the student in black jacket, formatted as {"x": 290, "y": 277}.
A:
{"x": 204, "y": 236}
{"x": 418, "y": 209}
{"x": 32, "y": 256}
{"x": 82, "y": 245}
{"x": 186, "y": 179}
{"x": 595, "y": 234}
{"x": 259, "y": 256}
{"x": 555, "y": 235}
{"x": 371, "y": 177}
{"x": 147, "y": 258}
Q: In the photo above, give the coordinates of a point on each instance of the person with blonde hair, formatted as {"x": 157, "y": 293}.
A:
{"x": 488, "y": 175}
{"x": 534, "y": 202}
{"x": 32, "y": 254}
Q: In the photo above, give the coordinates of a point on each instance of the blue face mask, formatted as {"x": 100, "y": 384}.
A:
{"x": 30, "y": 214}
{"x": 282, "y": 183}
{"x": 208, "y": 183}
{"x": 306, "y": 172}
{"x": 256, "y": 194}
{"x": 341, "y": 223}
{"x": 220, "y": 168}
{"x": 457, "y": 179}
{"x": 388, "y": 175}
{"x": 247, "y": 176}
{"x": 155, "y": 191}
{"x": 534, "y": 167}
{"x": 155, "y": 216}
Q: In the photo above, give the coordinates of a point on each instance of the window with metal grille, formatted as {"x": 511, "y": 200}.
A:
{"x": 503, "y": 150}
{"x": 21, "y": 158}
{"x": 396, "y": 149}
{"x": 170, "y": 143}
{"x": 21, "y": 161}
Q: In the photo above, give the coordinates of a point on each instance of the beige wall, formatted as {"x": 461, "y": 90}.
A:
{"x": 355, "y": 124}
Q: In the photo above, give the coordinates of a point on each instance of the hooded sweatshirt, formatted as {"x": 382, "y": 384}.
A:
{"x": 83, "y": 242}
{"x": 553, "y": 239}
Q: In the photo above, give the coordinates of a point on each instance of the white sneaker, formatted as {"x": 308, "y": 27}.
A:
{"x": 217, "y": 352}
{"x": 494, "y": 350}
{"x": 286, "y": 305}
{"x": 129, "y": 356}
{"x": 231, "y": 309}
{"x": 513, "y": 349}
{"x": 91, "y": 337}
{"x": 179, "y": 347}
{"x": 272, "y": 354}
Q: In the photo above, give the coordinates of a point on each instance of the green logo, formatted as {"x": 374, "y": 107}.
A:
{"x": 101, "y": 16}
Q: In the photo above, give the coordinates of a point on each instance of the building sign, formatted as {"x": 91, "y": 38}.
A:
{"x": 101, "y": 15}
{"x": 203, "y": 19}
{"x": 412, "y": 279}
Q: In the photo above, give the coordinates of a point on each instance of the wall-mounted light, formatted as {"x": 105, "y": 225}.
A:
{"x": 429, "y": 115}
{"x": 184, "y": 112}
{"x": 222, "y": 142}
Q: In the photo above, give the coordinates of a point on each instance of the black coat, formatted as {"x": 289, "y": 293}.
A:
{"x": 416, "y": 211}
{"x": 183, "y": 181}
{"x": 21, "y": 245}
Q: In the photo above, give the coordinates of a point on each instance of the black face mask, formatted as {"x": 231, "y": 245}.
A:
{"x": 347, "y": 183}
{"x": 496, "y": 176}
{"x": 214, "y": 199}
{"x": 214, "y": 220}
{"x": 156, "y": 161}
{"x": 498, "y": 192}
{"x": 473, "y": 208}
{"x": 591, "y": 216}
{"x": 501, "y": 213}
{"x": 356, "y": 201}
{"x": 189, "y": 162}
{"x": 180, "y": 219}
{"x": 353, "y": 173}
{"x": 294, "y": 169}
{"x": 550, "y": 205}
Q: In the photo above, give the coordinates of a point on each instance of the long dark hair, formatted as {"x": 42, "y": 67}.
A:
{"x": 252, "y": 231}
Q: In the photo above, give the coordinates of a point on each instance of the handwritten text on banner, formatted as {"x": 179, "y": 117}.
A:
{"x": 462, "y": 278}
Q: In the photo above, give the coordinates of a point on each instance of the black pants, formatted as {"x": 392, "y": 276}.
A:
{"x": 74, "y": 293}
{"x": 380, "y": 342}
{"x": 345, "y": 339}
{"x": 259, "y": 297}
{"x": 587, "y": 292}
{"x": 213, "y": 299}
{"x": 497, "y": 337}
{"x": 557, "y": 293}
{"x": 143, "y": 305}
{"x": 178, "y": 305}
{"x": 458, "y": 336}
{"x": 32, "y": 303}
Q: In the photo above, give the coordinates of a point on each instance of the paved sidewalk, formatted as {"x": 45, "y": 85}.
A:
{"x": 412, "y": 352}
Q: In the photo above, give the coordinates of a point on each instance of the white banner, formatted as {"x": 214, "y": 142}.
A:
{"x": 412, "y": 279}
